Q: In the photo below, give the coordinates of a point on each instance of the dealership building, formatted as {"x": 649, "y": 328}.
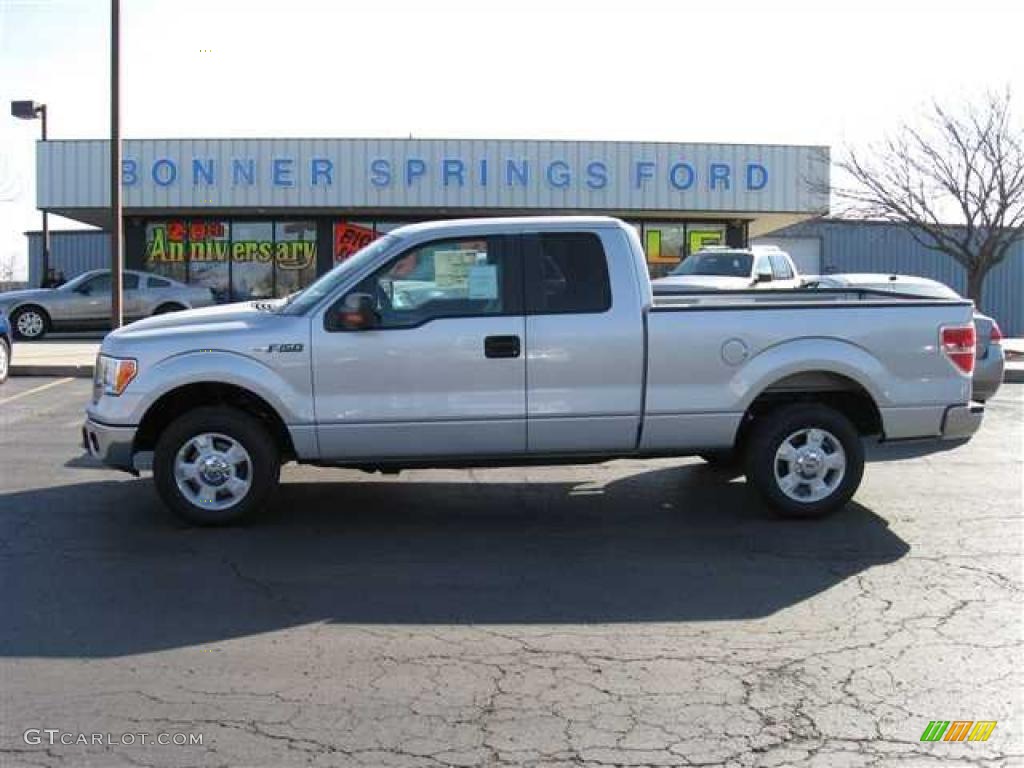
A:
{"x": 254, "y": 218}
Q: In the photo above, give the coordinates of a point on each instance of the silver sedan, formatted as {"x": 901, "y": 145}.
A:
{"x": 84, "y": 302}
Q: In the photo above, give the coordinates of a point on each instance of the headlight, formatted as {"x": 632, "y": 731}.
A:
{"x": 113, "y": 374}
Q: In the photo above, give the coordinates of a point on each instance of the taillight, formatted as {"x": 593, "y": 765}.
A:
{"x": 958, "y": 346}
{"x": 996, "y": 334}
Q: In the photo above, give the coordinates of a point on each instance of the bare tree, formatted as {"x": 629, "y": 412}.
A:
{"x": 7, "y": 267}
{"x": 962, "y": 168}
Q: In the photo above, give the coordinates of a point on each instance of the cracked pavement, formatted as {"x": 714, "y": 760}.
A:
{"x": 637, "y": 613}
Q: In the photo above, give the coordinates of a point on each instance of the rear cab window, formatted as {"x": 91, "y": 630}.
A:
{"x": 780, "y": 267}
{"x": 566, "y": 272}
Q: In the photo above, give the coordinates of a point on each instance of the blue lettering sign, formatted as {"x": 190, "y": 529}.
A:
{"x": 380, "y": 173}
{"x": 757, "y": 176}
{"x": 681, "y": 176}
{"x": 558, "y": 174}
{"x": 243, "y": 171}
{"x": 520, "y": 172}
{"x": 644, "y": 170}
{"x": 169, "y": 175}
{"x": 204, "y": 169}
{"x": 414, "y": 168}
{"x": 483, "y": 172}
{"x": 282, "y": 173}
{"x": 321, "y": 168}
{"x": 719, "y": 173}
{"x": 129, "y": 172}
{"x": 454, "y": 169}
{"x": 597, "y": 175}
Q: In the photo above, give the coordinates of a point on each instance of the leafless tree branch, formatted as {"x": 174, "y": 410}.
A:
{"x": 955, "y": 181}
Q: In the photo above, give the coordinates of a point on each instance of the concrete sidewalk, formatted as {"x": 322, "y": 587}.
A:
{"x": 54, "y": 358}
{"x": 76, "y": 357}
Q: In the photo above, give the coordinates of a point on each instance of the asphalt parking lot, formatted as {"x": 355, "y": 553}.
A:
{"x": 633, "y": 613}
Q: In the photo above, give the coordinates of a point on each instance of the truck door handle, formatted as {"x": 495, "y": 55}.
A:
{"x": 501, "y": 346}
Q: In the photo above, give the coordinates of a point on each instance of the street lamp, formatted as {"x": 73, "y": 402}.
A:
{"x": 31, "y": 110}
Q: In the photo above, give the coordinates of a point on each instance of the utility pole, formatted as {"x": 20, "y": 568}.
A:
{"x": 116, "y": 227}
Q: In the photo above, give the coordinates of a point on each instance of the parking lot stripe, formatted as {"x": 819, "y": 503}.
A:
{"x": 32, "y": 391}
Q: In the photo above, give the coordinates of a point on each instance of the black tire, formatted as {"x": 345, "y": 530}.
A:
{"x": 5, "y": 360}
{"x": 20, "y": 312}
{"x": 726, "y": 459}
{"x": 767, "y": 436}
{"x": 164, "y": 309}
{"x": 262, "y": 473}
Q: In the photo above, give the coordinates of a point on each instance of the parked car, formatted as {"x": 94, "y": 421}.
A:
{"x": 990, "y": 357}
{"x": 720, "y": 267}
{"x": 546, "y": 346}
{"x": 83, "y": 303}
{"x": 6, "y": 346}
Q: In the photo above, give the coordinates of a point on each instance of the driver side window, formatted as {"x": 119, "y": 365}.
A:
{"x": 449, "y": 278}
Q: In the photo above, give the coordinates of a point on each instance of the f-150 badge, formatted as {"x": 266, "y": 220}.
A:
{"x": 280, "y": 348}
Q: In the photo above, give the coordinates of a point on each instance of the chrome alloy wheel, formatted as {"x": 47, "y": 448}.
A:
{"x": 810, "y": 465}
{"x": 30, "y": 324}
{"x": 213, "y": 471}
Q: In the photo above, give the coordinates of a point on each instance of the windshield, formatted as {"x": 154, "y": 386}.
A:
{"x": 308, "y": 297}
{"x": 74, "y": 282}
{"x": 727, "y": 264}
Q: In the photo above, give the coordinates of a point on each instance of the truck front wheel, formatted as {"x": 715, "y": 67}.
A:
{"x": 216, "y": 465}
{"x": 805, "y": 459}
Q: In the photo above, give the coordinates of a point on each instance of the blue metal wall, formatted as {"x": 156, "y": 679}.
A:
{"x": 860, "y": 246}
{"x": 73, "y": 252}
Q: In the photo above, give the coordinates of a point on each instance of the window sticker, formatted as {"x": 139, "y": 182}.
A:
{"x": 451, "y": 268}
{"x": 483, "y": 281}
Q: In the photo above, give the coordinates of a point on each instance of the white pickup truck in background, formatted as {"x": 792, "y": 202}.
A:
{"x": 526, "y": 341}
{"x": 720, "y": 267}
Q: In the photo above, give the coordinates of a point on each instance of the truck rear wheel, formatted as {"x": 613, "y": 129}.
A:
{"x": 216, "y": 465}
{"x": 805, "y": 459}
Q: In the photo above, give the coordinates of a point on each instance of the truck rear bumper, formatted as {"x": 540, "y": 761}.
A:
{"x": 962, "y": 421}
{"x": 110, "y": 444}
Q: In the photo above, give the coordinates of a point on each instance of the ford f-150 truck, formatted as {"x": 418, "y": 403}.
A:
{"x": 526, "y": 341}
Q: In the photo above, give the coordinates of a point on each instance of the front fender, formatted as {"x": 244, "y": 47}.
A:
{"x": 285, "y": 390}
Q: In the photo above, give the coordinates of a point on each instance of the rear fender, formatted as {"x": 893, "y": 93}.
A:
{"x": 809, "y": 355}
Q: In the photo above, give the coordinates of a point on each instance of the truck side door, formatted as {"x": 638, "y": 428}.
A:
{"x": 442, "y": 370}
{"x": 584, "y": 341}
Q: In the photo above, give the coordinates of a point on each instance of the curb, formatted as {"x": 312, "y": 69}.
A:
{"x": 63, "y": 371}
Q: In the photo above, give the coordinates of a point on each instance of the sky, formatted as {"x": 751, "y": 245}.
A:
{"x": 838, "y": 73}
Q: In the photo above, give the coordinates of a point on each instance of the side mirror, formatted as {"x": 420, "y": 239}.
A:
{"x": 763, "y": 277}
{"x": 83, "y": 289}
{"x": 358, "y": 312}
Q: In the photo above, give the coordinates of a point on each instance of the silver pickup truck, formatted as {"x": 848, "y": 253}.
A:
{"x": 519, "y": 341}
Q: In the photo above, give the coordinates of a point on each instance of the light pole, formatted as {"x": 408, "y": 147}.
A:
{"x": 31, "y": 110}
{"x": 116, "y": 229}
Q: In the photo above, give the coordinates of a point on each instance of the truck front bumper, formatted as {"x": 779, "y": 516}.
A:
{"x": 962, "y": 421}
{"x": 110, "y": 444}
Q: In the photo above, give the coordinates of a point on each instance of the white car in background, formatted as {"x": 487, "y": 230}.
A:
{"x": 990, "y": 358}
{"x": 723, "y": 268}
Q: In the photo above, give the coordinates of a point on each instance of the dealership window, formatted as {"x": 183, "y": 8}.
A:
{"x": 294, "y": 255}
{"x": 350, "y": 237}
{"x": 164, "y": 255}
{"x": 236, "y": 259}
{"x": 668, "y": 243}
{"x": 252, "y": 260}
{"x": 208, "y": 256}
